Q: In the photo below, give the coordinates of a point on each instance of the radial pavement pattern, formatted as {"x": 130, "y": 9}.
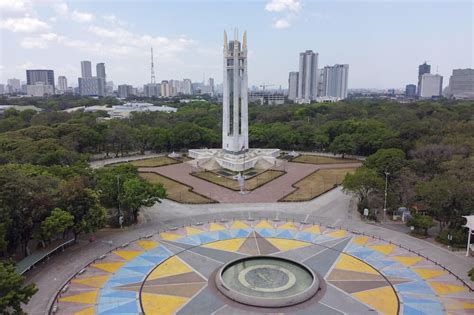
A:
{"x": 173, "y": 273}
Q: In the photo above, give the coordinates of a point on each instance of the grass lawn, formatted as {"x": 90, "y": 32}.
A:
{"x": 176, "y": 191}
{"x": 317, "y": 183}
{"x": 250, "y": 184}
{"x": 152, "y": 162}
{"x": 316, "y": 159}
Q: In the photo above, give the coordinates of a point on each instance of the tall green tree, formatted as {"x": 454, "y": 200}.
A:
{"x": 137, "y": 193}
{"x": 343, "y": 144}
{"x": 362, "y": 183}
{"x": 58, "y": 221}
{"x": 13, "y": 291}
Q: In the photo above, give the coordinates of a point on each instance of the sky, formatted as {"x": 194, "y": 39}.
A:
{"x": 382, "y": 41}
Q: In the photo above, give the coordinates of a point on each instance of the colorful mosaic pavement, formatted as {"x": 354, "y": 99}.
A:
{"x": 168, "y": 273}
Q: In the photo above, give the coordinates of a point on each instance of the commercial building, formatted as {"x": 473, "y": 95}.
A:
{"x": 125, "y": 90}
{"x": 62, "y": 84}
{"x": 461, "y": 84}
{"x": 431, "y": 85}
{"x": 335, "y": 81}
{"x": 293, "y": 86}
{"x": 187, "y": 87}
{"x": 266, "y": 98}
{"x": 91, "y": 86}
{"x": 165, "y": 88}
{"x": 39, "y": 89}
{"x": 100, "y": 70}
{"x": 152, "y": 90}
{"x": 422, "y": 69}
{"x": 86, "y": 69}
{"x": 410, "y": 90}
{"x": 40, "y": 76}
{"x": 14, "y": 85}
{"x": 211, "y": 86}
{"x": 307, "y": 78}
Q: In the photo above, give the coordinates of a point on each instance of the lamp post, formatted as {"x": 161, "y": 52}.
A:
{"x": 385, "y": 199}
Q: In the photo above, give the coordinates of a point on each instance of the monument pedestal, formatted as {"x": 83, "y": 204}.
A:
{"x": 213, "y": 159}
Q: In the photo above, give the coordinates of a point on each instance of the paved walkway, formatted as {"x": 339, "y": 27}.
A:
{"x": 270, "y": 192}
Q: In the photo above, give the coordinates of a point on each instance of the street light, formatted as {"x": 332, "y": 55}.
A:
{"x": 385, "y": 199}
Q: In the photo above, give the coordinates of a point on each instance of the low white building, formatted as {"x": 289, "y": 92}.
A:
{"x": 124, "y": 111}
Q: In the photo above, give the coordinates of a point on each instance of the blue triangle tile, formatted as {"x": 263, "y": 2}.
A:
{"x": 158, "y": 251}
{"x": 128, "y": 308}
{"x": 286, "y": 234}
{"x": 126, "y": 273}
{"x": 155, "y": 259}
{"x": 407, "y": 310}
{"x": 138, "y": 261}
{"x": 121, "y": 281}
{"x": 419, "y": 287}
{"x": 427, "y": 308}
{"x": 190, "y": 240}
{"x": 144, "y": 270}
{"x": 206, "y": 239}
{"x": 304, "y": 236}
{"x": 238, "y": 233}
{"x": 120, "y": 294}
{"x": 223, "y": 235}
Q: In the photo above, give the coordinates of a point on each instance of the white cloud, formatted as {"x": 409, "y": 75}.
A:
{"x": 40, "y": 42}
{"x": 281, "y": 23}
{"x": 26, "y": 65}
{"x": 24, "y": 25}
{"x": 81, "y": 17}
{"x": 61, "y": 8}
{"x": 14, "y": 6}
{"x": 283, "y": 5}
{"x": 112, "y": 19}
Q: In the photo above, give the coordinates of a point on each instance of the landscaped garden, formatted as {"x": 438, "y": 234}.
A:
{"x": 260, "y": 179}
{"x": 152, "y": 162}
{"x": 316, "y": 159}
{"x": 317, "y": 183}
{"x": 175, "y": 190}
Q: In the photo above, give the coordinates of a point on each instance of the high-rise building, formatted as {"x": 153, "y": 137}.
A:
{"x": 235, "y": 96}
{"x": 335, "y": 81}
{"x": 14, "y": 85}
{"x": 37, "y": 76}
{"x": 91, "y": 86}
{"x": 211, "y": 86}
{"x": 165, "y": 88}
{"x": 62, "y": 83}
{"x": 307, "y": 77}
{"x": 461, "y": 84}
{"x": 293, "y": 86}
{"x": 125, "y": 90}
{"x": 100, "y": 70}
{"x": 152, "y": 90}
{"x": 422, "y": 69}
{"x": 109, "y": 88}
{"x": 431, "y": 85}
{"x": 187, "y": 87}
{"x": 39, "y": 89}
{"x": 86, "y": 69}
{"x": 410, "y": 90}
{"x": 2, "y": 89}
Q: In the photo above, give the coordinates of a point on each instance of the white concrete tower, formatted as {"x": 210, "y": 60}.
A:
{"x": 235, "y": 127}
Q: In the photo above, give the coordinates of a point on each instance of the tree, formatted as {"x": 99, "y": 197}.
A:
{"x": 58, "y": 221}
{"x": 137, "y": 193}
{"x": 386, "y": 160}
{"x": 421, "y": 223}
{"x": 362, "y": 183}
{"x": 13, "y": 292}
{"x": 343, "y": 144}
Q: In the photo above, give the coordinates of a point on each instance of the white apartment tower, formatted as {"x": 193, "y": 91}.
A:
{"x": 62, "y": 83}
{"x": 431, "y": 85}
{"x": 335, "y": 79}
{"x": 235, "y": 96}
{"x": 308, "y": 78}
{"x": 86, "y": 69}
{"x": 293, "y": 86}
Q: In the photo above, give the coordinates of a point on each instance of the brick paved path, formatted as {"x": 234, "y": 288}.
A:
{"x": 270, "y": 192}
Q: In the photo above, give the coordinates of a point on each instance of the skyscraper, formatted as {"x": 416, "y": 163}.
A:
{"x": 293, "y": 86}
{"x": 307, "y": 77}
{"x": 100, "y": 69}
{"x": 40, "y": 76}
{"x": 86, "y": 69}
{"x": 125, "y": 90}
{"x": 431, "y": 85}
{"x": 410, "y": 90}
{"x": 187, "y": 87}
{"x": 165, "y": 88}
{"x": 422, "y": 69}
{"x": 152, "y": 90}
{"x": 461, "y": 84}
{"x": 335, "y": 80}
{"x": 14, "y": 85}
{"x": 235, "y": 96}
{"x": 62, "y": 83}
{"x": 211, "y": 86}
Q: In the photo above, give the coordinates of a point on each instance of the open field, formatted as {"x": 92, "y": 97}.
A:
{"x": 317, "y": 183}
{"x": 250, "y": 184}
{"x": 316, "y": 159}
{"x": 153, "y": 162}
{"x": 175, "y": 190}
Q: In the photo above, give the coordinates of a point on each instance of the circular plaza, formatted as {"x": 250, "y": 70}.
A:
{"x": 257, "y": 266}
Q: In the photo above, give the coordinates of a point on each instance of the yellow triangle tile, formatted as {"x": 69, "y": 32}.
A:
{"x": 383, "y": 300}
{"x": 96, "y": 282}
{"x": 288, "y": 226}
{"x": 161, "y": 304}
{"x": 284, "y": 244}
{"x": 360, "y": 240}
{"x": 264, "y": 224}
{"x": 109, "y": 267}
{"x": 147, "y": 245}
{"x": 458, "y": 305}
{"x": 215, "y": 227}
{"x": 384, "y": 249}
{"x": 86, "y": 311}
{"x": 407, "y": 260}
{"x": 192, "y": 231}
{"x": 127, "y": 254}
{"x": 172, "y": 266}
{"x": 231, "y": 245}
{"x": 337, "y": 234}
{"x": 84, "y": 298}
{"x": 444, "y": 289}
{"x": 429, "y": 273}
{"x": 350, "y": 263}
{"x": 315, "y": 229}
{"x": 239, "y": 225}
{"x": 170, "y": 236}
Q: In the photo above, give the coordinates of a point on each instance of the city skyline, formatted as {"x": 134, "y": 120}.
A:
{"x": 58, "y": 35}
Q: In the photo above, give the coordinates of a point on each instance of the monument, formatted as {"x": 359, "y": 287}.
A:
{"x": 235, "y": 154}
